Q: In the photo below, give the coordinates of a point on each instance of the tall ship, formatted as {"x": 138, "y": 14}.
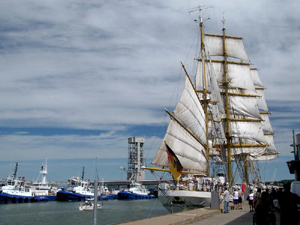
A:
{"x": 221, "y": 122}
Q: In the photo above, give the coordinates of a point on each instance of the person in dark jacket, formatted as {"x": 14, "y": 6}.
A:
{"x": 288, "y": 206}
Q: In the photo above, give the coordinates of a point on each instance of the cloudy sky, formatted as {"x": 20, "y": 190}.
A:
{"x": 80, "y": 77}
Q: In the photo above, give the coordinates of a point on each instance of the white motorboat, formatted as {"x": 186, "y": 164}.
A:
{"x": 88, "y": 205}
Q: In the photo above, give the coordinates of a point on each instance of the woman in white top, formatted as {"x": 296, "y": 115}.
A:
{"x": 235, "y": 198}
{"x": 250, "y": 199}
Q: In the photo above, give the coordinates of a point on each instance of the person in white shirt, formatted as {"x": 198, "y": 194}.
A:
{"x": 250, "y": 200}
{"x": 226, "y": 195}
{"x": 235, "y": 195}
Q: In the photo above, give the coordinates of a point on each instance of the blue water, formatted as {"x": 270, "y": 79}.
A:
{"x": 113, "y": 212}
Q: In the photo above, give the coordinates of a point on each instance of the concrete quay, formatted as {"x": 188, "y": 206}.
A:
{"x": 181, "y": 218}
{"x": 203, "y": 216}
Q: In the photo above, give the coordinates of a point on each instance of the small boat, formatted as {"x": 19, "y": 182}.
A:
{"x": 135, "y": 192}
{"x": 88, "y": 205}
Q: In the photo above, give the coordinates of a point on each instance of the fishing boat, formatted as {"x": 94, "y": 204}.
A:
{"x": 136, "y": 191}
{"x": 221, "y": 119}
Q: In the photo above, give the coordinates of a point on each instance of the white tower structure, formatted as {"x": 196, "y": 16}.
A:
{"x": 136, "y": 158}
{"x": 44, "y": 172}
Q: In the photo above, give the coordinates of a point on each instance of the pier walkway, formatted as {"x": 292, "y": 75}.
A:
{"x": 203, "y": 216}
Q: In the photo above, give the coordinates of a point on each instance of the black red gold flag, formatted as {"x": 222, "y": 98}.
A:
{"x": 174, "y": 164}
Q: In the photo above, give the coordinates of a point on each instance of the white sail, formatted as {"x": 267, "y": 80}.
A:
{"x": 234, "y": 102}
{"x": 234, "y": 47}
{"x": 248, "y": 130}
{"x": 189, "y": 111}
{"x": 266, "y": 124}
{"x": 246, "y": 106}
{"x": 271, "y": 148}
{"x": 263, "y": 157}
{"x": 216, "y": 108}
{"x": 238, "y": 75}
{"x": 255, "y": 77}
{"x": 254, "y": 151}
{"x": 188, "y": 150}
{"x": 216, "y": 93}
{"x": 262, "y": 104}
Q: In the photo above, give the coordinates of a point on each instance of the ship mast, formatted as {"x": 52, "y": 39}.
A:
{"x": 226, "y": 84}
{"x": 15, "y": 171}
{"x": 204, "y": 91}
{"x": 44, "y": 172}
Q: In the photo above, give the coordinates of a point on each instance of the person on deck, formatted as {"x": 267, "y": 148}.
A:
{"x": 226, "y": 196}
{"x": 288, "y": 206}
{"x": 235, "y": 195}
{"x": 250, "y": 200}
{"x": 240, "y": 205}
{"x": 257, "y": 196}
{"x": 261, "y": 209}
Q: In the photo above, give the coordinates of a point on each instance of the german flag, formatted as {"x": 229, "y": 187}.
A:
{"x": 174, "y": 164}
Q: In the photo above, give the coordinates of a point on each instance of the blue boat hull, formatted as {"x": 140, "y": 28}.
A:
{"x": 8, "y": 198}
{"x": 111, "y": 196}
{"x": 123, "y": 195}
{"x": 71, "y": 196}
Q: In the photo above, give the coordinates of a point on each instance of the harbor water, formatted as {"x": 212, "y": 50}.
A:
{"x": 67, "y": 213}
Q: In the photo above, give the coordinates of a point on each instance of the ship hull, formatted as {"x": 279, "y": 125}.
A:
{"x": 184, "y": 198}
{"x": 12, "y": 198}
{"x": 123, "y": 195}
{"x": 71, "y": 196}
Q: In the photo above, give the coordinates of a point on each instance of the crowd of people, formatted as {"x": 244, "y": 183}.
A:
{"x": 263, "y": 201}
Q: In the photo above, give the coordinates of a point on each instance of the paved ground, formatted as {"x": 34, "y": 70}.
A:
{"x": 177, "y": 218}
{"x": 234, "y": 217}
{"x": 203, "y": 216}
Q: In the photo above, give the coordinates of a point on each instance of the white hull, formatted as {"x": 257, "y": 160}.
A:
{"x": 88, "y": 207}
{"x": 185, "y": 198}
